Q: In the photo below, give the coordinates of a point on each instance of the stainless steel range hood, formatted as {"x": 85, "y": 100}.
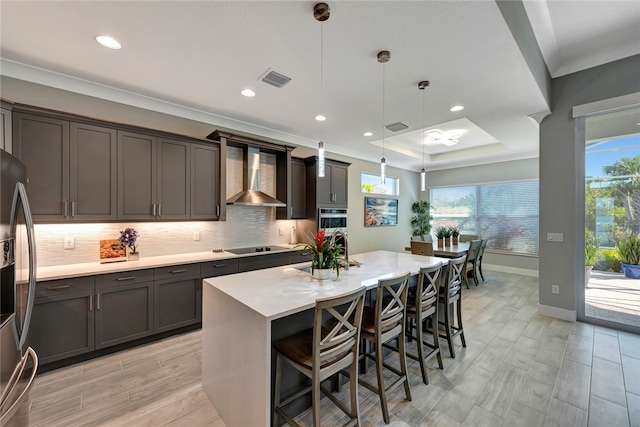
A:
{"x": 251, "y": 194}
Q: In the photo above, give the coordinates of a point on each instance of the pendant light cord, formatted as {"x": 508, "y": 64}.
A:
{"x": 423, "y": 96}
{"x": 383, "y": 96}
{"x": 321, "y": 75}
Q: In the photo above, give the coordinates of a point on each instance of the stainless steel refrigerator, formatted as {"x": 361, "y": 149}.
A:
{"x": 18, "y": 361}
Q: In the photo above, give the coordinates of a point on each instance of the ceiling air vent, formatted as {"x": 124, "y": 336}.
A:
{"x": 395, "y": 127}
{"x": 276, "y": 79}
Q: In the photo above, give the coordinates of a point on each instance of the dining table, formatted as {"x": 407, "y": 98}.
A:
{"x": 450, "y": 251}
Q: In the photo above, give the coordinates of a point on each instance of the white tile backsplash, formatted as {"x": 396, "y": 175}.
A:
{"x": 245, "y": 226}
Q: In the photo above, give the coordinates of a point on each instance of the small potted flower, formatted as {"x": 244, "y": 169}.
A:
{"x": 128, "y": 237}
{"x": 455, "y": 232}
{"x": 440, "y": 233}
{"x": 447, "y": 235}
{"x": 325, "y": 255}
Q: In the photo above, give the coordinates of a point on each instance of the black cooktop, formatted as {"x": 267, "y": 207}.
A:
{"x": 256, "y": 249}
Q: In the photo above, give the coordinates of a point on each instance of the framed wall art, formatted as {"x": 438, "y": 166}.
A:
{"x": 379, "y": 211}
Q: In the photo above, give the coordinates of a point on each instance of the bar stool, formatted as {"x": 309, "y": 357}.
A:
{"x": 330, "y": 346}
{"x": 422, "y": 309}
{"x": 381, "y": 324}
{"x": 451, "y": 297}
{"x": 480, "y": 256}
{"x": 471, "y": 262}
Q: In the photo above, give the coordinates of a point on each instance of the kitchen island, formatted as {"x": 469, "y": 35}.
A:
{"x": 243, "y": 313}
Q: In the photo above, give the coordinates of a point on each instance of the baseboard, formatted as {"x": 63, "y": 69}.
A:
{"x": 511, "y": 270}
{"x": 557, "y": 313}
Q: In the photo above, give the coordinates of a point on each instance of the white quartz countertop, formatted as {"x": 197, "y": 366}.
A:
{"x": 281, "y": 291}
{"x": 92, "y": 268}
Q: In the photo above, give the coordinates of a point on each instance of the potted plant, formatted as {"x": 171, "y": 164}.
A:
{"x": 591, "y": 248}
{"x": 421, "y": 218}
{"x": 455, "y": 232}
{"x": 629, "y": 252}
{"x": 325, "y": 255}
{"x": 129, "y": 237}
{"x": 440, "y": 233}
{"x": 447, "y": 235}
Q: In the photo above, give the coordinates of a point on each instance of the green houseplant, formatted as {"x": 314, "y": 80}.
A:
{"x": 455, "y": 233}
{"x": 440, "y": 233}
{"x": 629, "y": 253}
{"x": 421, "y": 218}
{"x": 591, "y": 248}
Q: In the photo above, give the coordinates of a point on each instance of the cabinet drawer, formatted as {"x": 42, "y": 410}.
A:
{"x": 123, "y": 278}
{"x": 219, "y": 268}
{"x": 177, "y": 272}
{"x": 64, "y": 286}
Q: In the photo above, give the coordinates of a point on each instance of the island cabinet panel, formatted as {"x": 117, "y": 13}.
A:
{"x": 62, "y": 323}
{"x": 205, "y": 182}
{"x": 177, "y": 297}
{"x": 123, "y": 313}
{"x": 137, "y": 156}
{"x": 219, "y": 268}
{"x": 42, "y": 144}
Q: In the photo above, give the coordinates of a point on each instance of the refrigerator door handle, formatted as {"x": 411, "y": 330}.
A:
{"x": 20, "y": 196}
{"x": 8, "y": 413}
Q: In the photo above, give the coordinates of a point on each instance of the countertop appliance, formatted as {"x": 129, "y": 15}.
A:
{"x": 256, "y": 249}
{"x": 18, "y": 361}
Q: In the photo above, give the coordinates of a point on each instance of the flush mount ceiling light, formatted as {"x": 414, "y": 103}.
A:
{"x": 456, "y": 108}
{"x": 109, "y": 42}
{"x": 436, "y": 137}
{"x": 320, "y": 118}
{"x": 367, "y": 134}
{"x": 248, "y": 93}
{"x": 383, "y": 57}
{"x": 423, "y": 173}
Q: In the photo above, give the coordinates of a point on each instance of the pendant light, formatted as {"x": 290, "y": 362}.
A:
{"x": 423, "y": 173}
{"x": 383, "y": 58}
{"x": 321, "y": 13}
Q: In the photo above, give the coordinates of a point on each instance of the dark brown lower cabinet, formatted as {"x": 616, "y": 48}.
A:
{"x": 123, "y": 313}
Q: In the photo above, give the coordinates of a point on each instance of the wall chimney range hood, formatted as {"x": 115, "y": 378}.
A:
{"x": 251, "y": 194}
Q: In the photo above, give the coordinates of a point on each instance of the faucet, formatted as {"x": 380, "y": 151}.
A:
{"x": 346, "y": 245}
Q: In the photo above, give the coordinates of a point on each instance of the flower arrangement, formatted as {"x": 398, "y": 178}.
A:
{"x": 441, "y": 232}
{"x": 128, "y": 237}
{"x": 455, "y": 231}
{"x": 325, "y": 253}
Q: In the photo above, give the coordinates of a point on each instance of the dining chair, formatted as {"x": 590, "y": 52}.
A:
{"x": 421, "y": 248}
{"x": 450, "y": 297}
{"x": 471, "y": 262}
{"x": 467, "y": 237}
{"x": 381, "y": 324}
{"x": 480, "y": 256}
{"x": 423, "y": 238}
{"x": 322, "y": 351}
{"x": 423, "y": 309}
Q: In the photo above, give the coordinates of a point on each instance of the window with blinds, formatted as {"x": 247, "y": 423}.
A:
{"x": 504, "y": 213}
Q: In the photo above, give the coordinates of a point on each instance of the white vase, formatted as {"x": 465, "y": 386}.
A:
{"x": 322, "y": 273}
{"x": 133, "y": 256}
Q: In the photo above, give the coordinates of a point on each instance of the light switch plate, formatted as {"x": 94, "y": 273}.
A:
{"x": 196, "y": 236}
{"x": 555, "y": 237}
{"x": 555, "y": 289}
{"x": 69, "y": 243}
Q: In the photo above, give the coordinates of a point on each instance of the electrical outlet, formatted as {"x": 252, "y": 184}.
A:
{"x": 555, "y": 289}
{"x": 555, "y": 237}
{"x": 196, "y": 236}
{"x": 280, "y": 232}
{"x": 69, "y": 243}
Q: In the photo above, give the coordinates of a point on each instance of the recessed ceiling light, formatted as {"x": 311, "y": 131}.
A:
{"x": 456, "y": 108}
{"x": 638, "y": 124}
{"x": 109, "y": 42}
{"x": 248, "y": 92}
{"x": 320, "y": 118}
{"x": 368, "y": 134}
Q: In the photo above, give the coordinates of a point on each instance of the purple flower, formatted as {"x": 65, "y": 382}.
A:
{"x": 128, "y": 238}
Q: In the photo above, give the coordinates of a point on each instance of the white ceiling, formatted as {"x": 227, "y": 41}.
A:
{"x": 191, "y": 59}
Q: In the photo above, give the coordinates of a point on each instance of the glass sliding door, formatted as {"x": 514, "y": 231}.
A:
{"x": 611, "y": 294}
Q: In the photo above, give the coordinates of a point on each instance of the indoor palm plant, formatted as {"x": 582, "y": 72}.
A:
{"x": 325, "y": 255}
{"x": 629, "y": 252}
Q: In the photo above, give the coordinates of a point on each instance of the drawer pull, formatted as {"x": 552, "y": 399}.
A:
{"x": 91, "y": 302}
{"x": 98, "y": 302}
{"x": 220, "y": 265}
{"x": 121, "y": 279}
{"x": 57, "y": 288}
{"x": 182, "y": 270}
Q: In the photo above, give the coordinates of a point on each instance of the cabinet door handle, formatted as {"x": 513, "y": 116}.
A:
{"x": 66, "y": 209}
{"x": 121, "y": 279}
{"x": 91, "y": 302}
{"x": 57, "y": 288}
{"x": 73, "y": 209}
{"x": 98, "y": 302}
{"x": 154, "y": 210}
{"x": 159, "y": 209}
{"x": 182, "y": 270}
{"x": 218, "y": 210}
{"x": 291, "y": 211}
{"x": 219, "y": 265}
